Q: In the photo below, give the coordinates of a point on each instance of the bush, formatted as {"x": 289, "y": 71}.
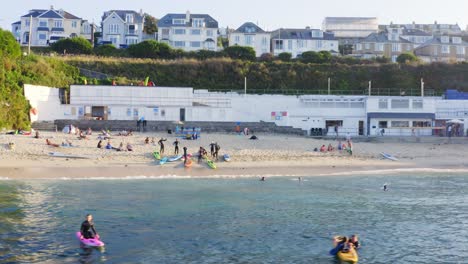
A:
{"x": 285, "y": 56}
{"x": 266, "y": 57}
{"x": 77, "y": 45}
{"x": 316, "y": 57}
{"x": 407, "y": 57}
{"x": 150, "y": 49}
{"x": 240, "y": 52}
{"x": 106, "y": 50}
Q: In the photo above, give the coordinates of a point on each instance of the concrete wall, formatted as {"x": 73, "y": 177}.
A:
{"x": 46, "y": 101}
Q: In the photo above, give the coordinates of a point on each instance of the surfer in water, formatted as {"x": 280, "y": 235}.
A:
{"x": 87, "y": 228}
{"x": 161, "y": 145}
{"x": 176, "y": 146}
{"x": 262, "y": 179}
{"x": 385, "y": 187}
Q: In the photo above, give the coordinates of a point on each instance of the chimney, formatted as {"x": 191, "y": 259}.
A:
{"x": 307, "y": 27}
{"x": 141, "y": 12}
{"x": 187, "y": 15}
{"x": 51, "y": 7}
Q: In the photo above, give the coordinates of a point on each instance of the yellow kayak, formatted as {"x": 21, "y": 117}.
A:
{"x": 350, "y": 257}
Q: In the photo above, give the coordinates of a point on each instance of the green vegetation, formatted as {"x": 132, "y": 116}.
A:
{"x": 407, "y": 57}
{"x": 285, "y": 56}
{"x": 150, "y": 26}
{"x": 77, "y": 45}
{"x": 15, "y": 70}
{"x": 241, "y": 53}
{"x": 150, "y": 49}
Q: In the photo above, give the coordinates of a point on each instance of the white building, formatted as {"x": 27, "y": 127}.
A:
{"x": 298, "y": 41}
{"x": 122, "y": 28}
{"x": 351, "y": 27}
{"x": 189, "y": 32}
{"x": 47, "y": 26}
{"x": 251, "y": 35}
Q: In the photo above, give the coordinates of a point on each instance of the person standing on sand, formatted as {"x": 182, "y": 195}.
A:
{"x": 176, "y": 146}
{"x": 212, "y": 148}
{"x": 185, "y": 155}
{"x": 161, "y": 146}
{"x": 216, "y": 153}
{"x": 336, "y": 131}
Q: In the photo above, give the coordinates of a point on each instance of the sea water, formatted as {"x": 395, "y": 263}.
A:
{"x": 420, "y": 219}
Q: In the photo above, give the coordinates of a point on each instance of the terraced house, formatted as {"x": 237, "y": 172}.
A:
{"x": 443, "y": 48}
{"x": 298, "y": 41}
{"x": 189, "y": 32}
{"x": 388, "y": 44}
{"x": 251, "y": 35}
{"x": 46, "y": 26}
{"x": 122, "y": 28}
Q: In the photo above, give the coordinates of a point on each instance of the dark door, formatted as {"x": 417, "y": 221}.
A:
{"x": 361, "y": 128}
{"x": 182, "y": 114}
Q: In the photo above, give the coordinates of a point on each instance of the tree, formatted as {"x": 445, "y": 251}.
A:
{"x": 285, "y": 56}
{"x": 151, "y": 24}
{"x": 407, "y": 57}
{"x": 76, "y": 45}
{"x": 266, "y": 57}
{"x": 150, "y": 49}
{"x": 240, "y": 52}
{"x": 106, "y": 50}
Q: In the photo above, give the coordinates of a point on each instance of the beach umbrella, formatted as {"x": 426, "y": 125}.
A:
{"x": 455, "y": 121}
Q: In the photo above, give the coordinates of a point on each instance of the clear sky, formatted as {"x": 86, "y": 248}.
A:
{"x": 270, "y": 14}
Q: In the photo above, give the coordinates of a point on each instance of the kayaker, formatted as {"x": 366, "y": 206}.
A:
{"x": 354, "y": 241}
{"x": 87, "y": 228}
{"x": 339, "y": 243}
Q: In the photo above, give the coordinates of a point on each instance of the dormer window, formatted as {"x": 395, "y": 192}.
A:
{"x": 317, "y": 34}
{"x": 197, "y": 23}
{"x": 456, "y": 40}
{"x": 445, "y": 39}
{"x": 249, "y": 30}
{"x": 129, "y": 18}
{"x": 178, "y": 21}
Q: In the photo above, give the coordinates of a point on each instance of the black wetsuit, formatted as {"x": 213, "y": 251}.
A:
{"x": 176, "y": 147}
{"x": 217, "y": 148}
{"x": 185, "y": 155}
{"x": 161, "y": 146}
{"x": 212, "y": 149}
{"x": 87, "y": 229}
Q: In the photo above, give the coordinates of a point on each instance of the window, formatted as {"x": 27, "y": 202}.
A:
{"x": 367, "y": 46}
{"x": 383, "y": 124}
{"x": 210, "y": 45}
{"x": 422, "y": 124}
{"x": 317, "y": 34}
{"x": 74, "y": 24}
{"x": 417, "y": 104}
{"x": 445, "y": 39}
{"x": 195, "y": 32}
{"x": 195, "y": 44}
{"x": 165, "y": 31}
{"x": 396, "y": 47}
{"x": 379, "y": 47}
{"x": 445, "y": 49}
{"x": 129, "y": 112}
{"x": 279, "y": 44}
{"x": 58, "y": 23}
{"x": 135, "y": 112}
{"x": 209, "y": 33}
{"x": 400, "y": 123}
{"x": 179, "y": 44}
{"x": 129, "y": 18}
{"x": 42, "y": 36}
{"x": 394, "y": 58}
{"x": 197, "y": 23}
{"x": 179, "y": 31}
{"x": 114, "y": 40}
{"x": 264, "y": 41}
{"x": 400, "y": 103}
{"x": 383, "y": 104}
{"x": 319, "y": 44}
{"x": 178, "y": 21}
{"x": 290, "y": 44}
{"x": 409, "y": 47}
{"x": 456, "y": 40}
{"x": 460, "y": 50}
{"x": 114, "y": 29}
{"x": 27, "y": 22}
{"x": 237, "y": 39}
{"x": 131, "y": 41}
{"x": 358, "y": 46}
{"x": 248, "y": 40}
{"x": 43, "y": 23}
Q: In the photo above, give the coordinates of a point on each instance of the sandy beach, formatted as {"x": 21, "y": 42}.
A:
{"x": 271, "y": 155}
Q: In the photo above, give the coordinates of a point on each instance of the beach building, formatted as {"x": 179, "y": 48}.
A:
{"x": 251, "y": 35}
{"x": 122, "y": 28}
{"x": 47, "y": 26}
{"x": 189, "y": 32}
{"x": 298, "y": 41}
{"x": 318, "y": 115}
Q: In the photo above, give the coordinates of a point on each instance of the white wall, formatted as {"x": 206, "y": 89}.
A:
{"x": 298, "y": 47}
{"x": 47, "y": 102}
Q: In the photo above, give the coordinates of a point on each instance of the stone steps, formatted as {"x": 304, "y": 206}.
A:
{"x": 44, "y": 126}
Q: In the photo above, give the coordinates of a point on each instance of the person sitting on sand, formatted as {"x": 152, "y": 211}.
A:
{"x": 37, "y": 134}
{"x": 147, "y": 140}
{"x": 87, "y": 229}
{"x": 99, "y": 144}
{"x": 152, "y": 141}
{"x": 323, "y": 148}
{"x": 129, "y": 147}
{"x": 82, "y": 136}
{"x": 340, "y": 147}
{"x": 253, "y": 137}
{"x": 330, "y": 147}
{"x": 48, "y": 142}
{"x": 89, "y": 132}
{"x": 109, "y": 146}
{"x": 121, "y": 147}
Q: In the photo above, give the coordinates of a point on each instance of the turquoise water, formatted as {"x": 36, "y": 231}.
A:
{"x": 421, "y": 219}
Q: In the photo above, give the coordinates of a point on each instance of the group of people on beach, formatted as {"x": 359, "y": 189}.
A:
{"x": 348, "y": 147}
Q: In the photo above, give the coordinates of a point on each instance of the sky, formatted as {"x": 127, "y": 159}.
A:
{"x": 269, "y": 14}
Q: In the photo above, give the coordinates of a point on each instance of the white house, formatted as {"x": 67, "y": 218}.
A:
{"x": 189, "y": 32}
{"x": 47, "y": 26}
{"x": 122, "y": 28}
{"x": 251, "y": 35}
{"x": 298, "y": 41}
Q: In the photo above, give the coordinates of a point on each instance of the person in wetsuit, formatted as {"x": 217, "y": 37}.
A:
{"x": 87, "y": 228}
{"x": 176, "y": 146}
{"x": 185, "y": 155}
{"x": 212, "y": 149}
{"x": 217, "y": 148}
{"x": 161, "y": 145}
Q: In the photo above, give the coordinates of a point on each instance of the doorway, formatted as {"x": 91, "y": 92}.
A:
{"x": 182, "y": 114}
{"x": 361, "y": 128}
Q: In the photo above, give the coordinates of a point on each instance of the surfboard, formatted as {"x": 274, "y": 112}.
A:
{"x": 174, "y": 158}
{"x": 91, "y": 242}
{"x": 188, "y": 163}
{"x": 388, "y": 156}
{"x": 211, "y": 164}
{"x": 163, "y": 161}
{"x": 226, "y": 157}
{"x": 68, "y": 156}
{"x": 156, "y": 155}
